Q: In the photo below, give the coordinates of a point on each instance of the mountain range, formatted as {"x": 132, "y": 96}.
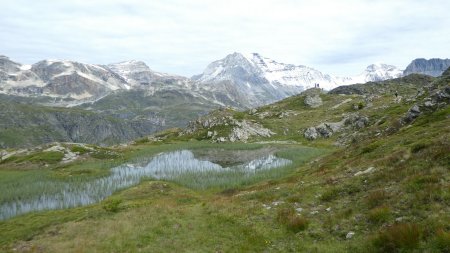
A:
{"x": 135, "y": 100}
{"x": 238, "y": 80}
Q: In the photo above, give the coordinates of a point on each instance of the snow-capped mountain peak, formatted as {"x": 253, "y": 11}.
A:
{"x": 263, "y": 80}
{"x": 378, "y": 72}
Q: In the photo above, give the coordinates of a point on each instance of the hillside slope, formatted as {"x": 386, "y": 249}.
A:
{"x": 376, "y": 179}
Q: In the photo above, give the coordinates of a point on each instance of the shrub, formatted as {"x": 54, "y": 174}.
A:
{"x": 112, "y": 205}
{"x": 418, "y": 147}
{"x": 329, "y": 195}
{"x": 370, "y": 148}
{"x": 361, "y": 105}
{"x": 442, "y": 241}
{"x": 376, "y": 198}
{"x": 399, "y": 237}
{"x": 293, "y": 222}
{"x": 79, "y": 149}
{"x": 379, "y": 215}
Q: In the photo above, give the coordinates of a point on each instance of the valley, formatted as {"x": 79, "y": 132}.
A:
{"x": 368, "y": 172}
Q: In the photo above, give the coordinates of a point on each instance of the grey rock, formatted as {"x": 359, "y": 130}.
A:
{"x": 356, "y": 121}
{"x": 313, "y": 101}
{"x": 244, "y": 130}
{"x": 412, "y": 114}
{"x": 311, "y": 133}
{"x": 363, "y": 172}
{"x": 350, "y": 235}
{"x": 324, "y": 130}
{"x": 429, "y": 104}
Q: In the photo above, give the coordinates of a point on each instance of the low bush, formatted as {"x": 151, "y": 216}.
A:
{"x": 80, "y": 150}
{"x": 442, "y": 241}
{"x": 418, "y": 147}
{"x": 370, "y": 148}
{"x": 329, "y": 194}
{"x": 291, "y": 220}
{"x": 112, "y": 205}
{"x": 398, "y": 238}
{"x": 379, "y": 215}
{"x": 376, "y": 198}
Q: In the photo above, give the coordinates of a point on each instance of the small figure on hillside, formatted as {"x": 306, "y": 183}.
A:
{"x": 396, "y": 94}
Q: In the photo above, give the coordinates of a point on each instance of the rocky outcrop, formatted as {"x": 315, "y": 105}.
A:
{"x": 438, "y": 98}
{"x": 313, "y": 101}
{"x": 432, "y": 67}
{"x": 327, "y": 129}
{"x": 241, "y": 130}
{"x": 412, "y": 113}
{"x": 311, "y": 133}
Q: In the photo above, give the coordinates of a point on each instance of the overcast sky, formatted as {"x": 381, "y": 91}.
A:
{"x": 182, "y": 37}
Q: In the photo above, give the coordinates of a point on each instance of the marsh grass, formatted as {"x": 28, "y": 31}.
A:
{"x": 42, "y": 190}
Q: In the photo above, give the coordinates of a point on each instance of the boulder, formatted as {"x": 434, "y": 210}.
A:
{"x": 311, "y": 133}
{"x": 324, "y": 130}
{"x": 313, "y": 101}
{"x": 412, "y": 113}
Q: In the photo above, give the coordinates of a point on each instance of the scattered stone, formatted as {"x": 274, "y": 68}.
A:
{"x": 267, "y": 207}
{"x": 356, "y": 121}
{"x": 276, "y": 203}
{"x": 57, "y": 148}
{"x": 264, "y": 115}
{"x": 313, "y": 101}
{"x": 350, "y": 235}
{"x": 369, "y": 170}
{"x": 328, "y": 209}
{"x": 299, "y": 209}
{"x": 429, "y": 104}
{"x": 314, "y": 212}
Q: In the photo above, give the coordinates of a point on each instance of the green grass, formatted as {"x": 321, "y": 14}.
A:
{"x": 311, "y": 206}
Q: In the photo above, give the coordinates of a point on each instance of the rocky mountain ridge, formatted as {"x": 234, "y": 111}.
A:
{"x": 432, "y": 67}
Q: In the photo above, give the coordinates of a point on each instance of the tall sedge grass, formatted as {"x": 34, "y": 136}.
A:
{"x": 179, "y": 166}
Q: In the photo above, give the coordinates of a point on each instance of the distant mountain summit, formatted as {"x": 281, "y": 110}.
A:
{"x": 432, "y": 67}
{"x": 260, "y": 80}
{"x": 377, "y": 72}
{"x": 137, "y": 73}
